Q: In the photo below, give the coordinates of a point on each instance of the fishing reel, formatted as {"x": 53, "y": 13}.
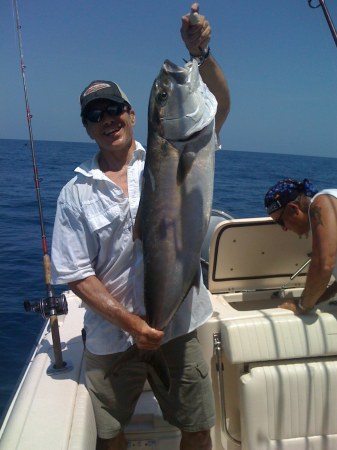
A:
{"x": 50, "y": 306}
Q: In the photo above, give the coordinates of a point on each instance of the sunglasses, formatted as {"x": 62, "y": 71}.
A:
{"x": 96, "y": 115}
{"x": 280, "y": 220}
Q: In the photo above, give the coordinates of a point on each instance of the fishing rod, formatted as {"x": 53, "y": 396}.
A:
{"x": 52, "y": 305}
{"x": 327, "y": 17}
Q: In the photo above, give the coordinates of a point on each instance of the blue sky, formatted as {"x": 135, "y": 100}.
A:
{"x": 278, "y": 56}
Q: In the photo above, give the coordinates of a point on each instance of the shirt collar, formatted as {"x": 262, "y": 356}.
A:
{"x": 90, "y": 167}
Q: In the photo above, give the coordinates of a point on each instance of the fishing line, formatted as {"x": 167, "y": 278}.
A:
{"x": 30, "y": 130}
{"x": 53, "y": 305}
{"x": 327, "y": 17}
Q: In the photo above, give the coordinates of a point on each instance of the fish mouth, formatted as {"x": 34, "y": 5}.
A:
{"x": 180, "y": 74}
{"x": 171, "y": 68}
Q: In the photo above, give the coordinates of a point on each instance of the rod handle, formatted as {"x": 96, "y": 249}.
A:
{"x": 54, "y": 326}
{"x": 47, "y": 269}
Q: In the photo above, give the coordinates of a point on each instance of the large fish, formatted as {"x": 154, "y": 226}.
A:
{"x": 177, "y": 189}
{"x": 177, "y": 193}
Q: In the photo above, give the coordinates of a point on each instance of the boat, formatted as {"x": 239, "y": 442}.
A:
{"x": 274, "y": 374}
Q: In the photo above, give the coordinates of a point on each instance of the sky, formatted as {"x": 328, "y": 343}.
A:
{"x": 278, "y": 57}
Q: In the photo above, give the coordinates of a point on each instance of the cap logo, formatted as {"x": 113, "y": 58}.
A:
{"x": 95, "y": 88}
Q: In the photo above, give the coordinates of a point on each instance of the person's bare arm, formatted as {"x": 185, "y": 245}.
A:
{"x": 96, "y": 296}
{"x": 196, "y": 36}
{"x": 323, "y": 216}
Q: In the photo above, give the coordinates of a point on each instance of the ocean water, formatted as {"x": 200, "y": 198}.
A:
{"x": 241, "y": 180}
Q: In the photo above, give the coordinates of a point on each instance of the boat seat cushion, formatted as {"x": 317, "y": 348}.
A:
{"x": 290, "y": 406}
{"x": 264, "y": 336}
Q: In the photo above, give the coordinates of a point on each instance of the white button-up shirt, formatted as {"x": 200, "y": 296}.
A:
{"x": 93, "y": 236}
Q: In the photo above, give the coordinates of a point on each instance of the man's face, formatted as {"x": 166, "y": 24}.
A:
{"x": 292, "y": 218}
{"x": 114, "y": 130}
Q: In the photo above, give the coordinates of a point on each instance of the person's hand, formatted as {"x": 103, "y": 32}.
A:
{"x": 146, "y": 337}
{"x": 292, "y": 305}
{"x": 195, "y": 31}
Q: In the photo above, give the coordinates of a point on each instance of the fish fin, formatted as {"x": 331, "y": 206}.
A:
{"x": 126, "y": 356}
{"x": 137, "y": 229}
{"x": 195, "y": 282}
{"x": 160, "y": 371}
{"x": 196, "y": 279}
{"x": 184, "y": 166}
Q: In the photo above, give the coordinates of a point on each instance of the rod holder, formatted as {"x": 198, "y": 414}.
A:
{"x": 50, "y": 308}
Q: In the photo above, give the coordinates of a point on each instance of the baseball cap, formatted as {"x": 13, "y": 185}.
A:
{"x": 100, "y": 89}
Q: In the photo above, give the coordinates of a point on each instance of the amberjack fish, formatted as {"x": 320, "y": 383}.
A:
{"x": 176, "y": 197}
{"x": 177, "y": 191}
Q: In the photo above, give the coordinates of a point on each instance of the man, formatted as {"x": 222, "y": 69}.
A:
{"x": 297, "y": 207}
{"x": 94, "y": 252}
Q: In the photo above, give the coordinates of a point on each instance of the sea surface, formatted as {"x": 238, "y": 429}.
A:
{"x": 241, "y": 180}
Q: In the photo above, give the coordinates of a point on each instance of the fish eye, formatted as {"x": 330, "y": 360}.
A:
{"x": 162, "y": 97}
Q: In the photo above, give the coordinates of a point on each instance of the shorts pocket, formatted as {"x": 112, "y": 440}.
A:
{"x": 203, "y": 369}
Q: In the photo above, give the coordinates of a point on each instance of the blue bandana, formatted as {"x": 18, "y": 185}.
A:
{"x": 286, "y": 191}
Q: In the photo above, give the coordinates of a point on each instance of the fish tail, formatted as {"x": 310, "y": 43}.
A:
{"x": 158, "y": 369}
{"x": 126, "y": 356}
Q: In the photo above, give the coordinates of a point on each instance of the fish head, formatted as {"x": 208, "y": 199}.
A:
{"x": 180, "y": 102}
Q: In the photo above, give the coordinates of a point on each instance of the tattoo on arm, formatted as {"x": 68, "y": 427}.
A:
{"x": 315, "y": 214}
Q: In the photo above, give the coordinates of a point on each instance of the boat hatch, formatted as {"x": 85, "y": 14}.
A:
{"x": 255, "y": 254}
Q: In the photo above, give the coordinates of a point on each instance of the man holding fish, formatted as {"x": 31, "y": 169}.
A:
{"x": 97, "y": 252}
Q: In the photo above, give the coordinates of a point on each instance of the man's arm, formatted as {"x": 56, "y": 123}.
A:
{"x": 196, "y": 36}
{"x": 95, "y": 295}
{"x": 330, "y": 292}
{"x": 323, "y": 216}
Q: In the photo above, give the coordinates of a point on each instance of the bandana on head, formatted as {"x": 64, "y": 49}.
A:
{"x": 286, "y": 191}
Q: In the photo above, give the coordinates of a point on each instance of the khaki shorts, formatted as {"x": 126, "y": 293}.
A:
{"x": 188, "y": 404}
